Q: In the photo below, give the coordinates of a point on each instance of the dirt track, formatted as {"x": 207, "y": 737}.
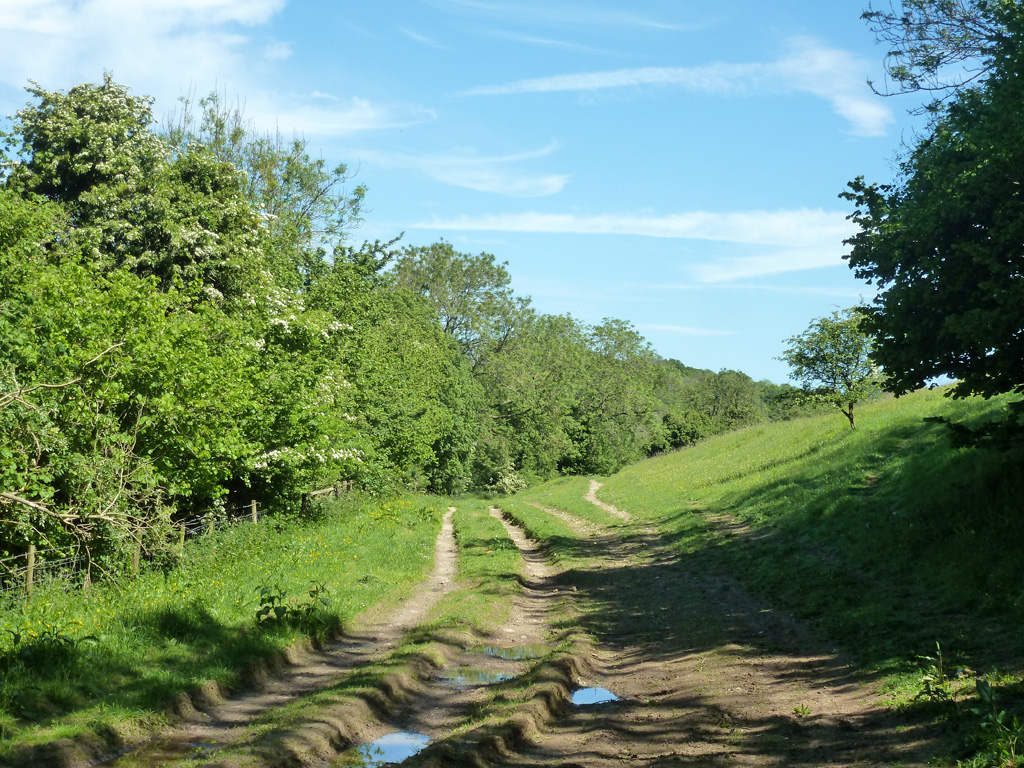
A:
{"x": 705, "y": 676}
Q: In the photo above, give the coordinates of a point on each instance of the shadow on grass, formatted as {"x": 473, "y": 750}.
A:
{"x": 41, "y": 687}
{"x": 863, "y": 554}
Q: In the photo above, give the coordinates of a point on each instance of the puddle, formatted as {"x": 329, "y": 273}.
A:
{"x": 393, "y": 748}
{"x": 516, "y": 652}
{"x": 585, "y": 696}
{"x": 158, "y": 752}
{"x": 474, "y": 676}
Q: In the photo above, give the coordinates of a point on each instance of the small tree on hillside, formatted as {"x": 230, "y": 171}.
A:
{"x": 832, "y": 362}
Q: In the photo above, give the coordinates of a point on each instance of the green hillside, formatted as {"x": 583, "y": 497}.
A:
{"x": 888, "y": 536}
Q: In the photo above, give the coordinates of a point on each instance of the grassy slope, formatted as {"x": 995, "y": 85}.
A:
{"x": 887, "y": 537}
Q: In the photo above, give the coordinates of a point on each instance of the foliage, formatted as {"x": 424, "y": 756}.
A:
{"x": 943, "y": 243}
{"x": 832, "y": 361}
{"x": 936, "y": 45}
{"x": 304, "y": 206}
{"x": 998, "y": 739}
{"x": 470, "y": 295}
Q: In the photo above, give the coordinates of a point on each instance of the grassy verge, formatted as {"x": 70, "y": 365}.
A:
{"x": 489, "y": 567}
{"x": 74, "y": 664}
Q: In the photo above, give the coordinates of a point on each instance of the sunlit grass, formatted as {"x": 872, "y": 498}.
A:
{"x": 86, "y": 660}
{"x": 887, "y": 536}
{"x": 567, "y": 493}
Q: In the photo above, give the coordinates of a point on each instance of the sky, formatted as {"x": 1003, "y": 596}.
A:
{"x": 673, "y": 164}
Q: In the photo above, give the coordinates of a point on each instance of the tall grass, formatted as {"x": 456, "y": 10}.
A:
{"x": 72, "y": 662}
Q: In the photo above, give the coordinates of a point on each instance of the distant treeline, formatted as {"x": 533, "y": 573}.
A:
{"x": 185, "y": 322}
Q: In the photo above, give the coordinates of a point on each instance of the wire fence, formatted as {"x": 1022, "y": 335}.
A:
{"x": 22, "y": 574}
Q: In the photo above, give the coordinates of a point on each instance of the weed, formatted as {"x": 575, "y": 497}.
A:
{"x": 801, "y": 710}
{"x": 309, "y": 616}
{"x": 998, "y": 737}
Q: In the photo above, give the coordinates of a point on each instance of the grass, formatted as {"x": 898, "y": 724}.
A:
{"x": 489, "y": 567}
{"x": 567, "y": 494}
{"x": 891, "y": 540}
{"x": 73, "y": 664}
{"x": 887, "y": 536}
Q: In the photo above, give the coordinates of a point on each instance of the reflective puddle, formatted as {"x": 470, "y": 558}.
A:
{"x": 467, "y": 676}
{"x": 393, "y": 748}
{"x": 516, "y": 652}
{"x": 585, "y": 696}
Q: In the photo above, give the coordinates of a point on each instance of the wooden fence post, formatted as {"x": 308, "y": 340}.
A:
{"x": 255, "y": 516}
{"x": 137, "y": 557}
{"x": 30, "y": 570}
{"x": 305, "y": 505}
{"x": 181, "y": 539}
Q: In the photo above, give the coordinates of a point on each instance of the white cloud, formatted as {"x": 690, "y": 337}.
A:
{"x": 500, "y": 175}
{"x": 278, "y": 51}
{"x": 686, "y": 330}
{"x": 808, "y": 66}
{"x": 796, "y": 228}
{"x": 559, "y": 14}
{"x": 163, "y": 48}
{"x": 768, "y": 263}
{"x": 356, "y": 115}
{"x": 715, "y": 77}
{"x": 547, "y": 42}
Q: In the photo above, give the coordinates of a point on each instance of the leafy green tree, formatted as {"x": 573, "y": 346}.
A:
{"x": 306, "y": 208}
{"x": 471, "y": 295}
{"x": 832, "y": 362}
{"x": 944, "y": 242}
{"x": 183, "y": 220}
{"x": 616, "y": 420}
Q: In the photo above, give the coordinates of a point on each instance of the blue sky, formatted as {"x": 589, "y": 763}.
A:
{"x": 673, "y": 164}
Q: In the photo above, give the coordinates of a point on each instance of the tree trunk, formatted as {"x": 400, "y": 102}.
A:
{"x": 848, "y": 413}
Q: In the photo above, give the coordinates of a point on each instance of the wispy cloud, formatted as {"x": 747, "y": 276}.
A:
{"x": 794, "y": 228}
{"x": 808, "y": 66}
{"x": 423, "y": 39}
{"x": 768, "y": 262}
{"x": 278, "y": 51}
{"x": 781, "y": 241}
{"x": 795, "y": 290}
{"x": 501, "y": 175}
{"x": 546, "y": 42}
{"x": 685, "y": 330}
{"x": 561, "y": 14}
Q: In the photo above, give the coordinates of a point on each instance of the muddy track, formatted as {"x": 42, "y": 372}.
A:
{"x": 431, "y": 697}
{"x": 707, "y": 676}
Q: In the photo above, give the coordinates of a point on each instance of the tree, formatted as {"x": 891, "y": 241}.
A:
{"x": 470, "y": 294}
{"x": 936, "y": 46}
{"x": 944, "y": 242}
{"x": 306, "y": 207}
{"x": 832, "y": 361}
{"x": 183, "y": 219}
